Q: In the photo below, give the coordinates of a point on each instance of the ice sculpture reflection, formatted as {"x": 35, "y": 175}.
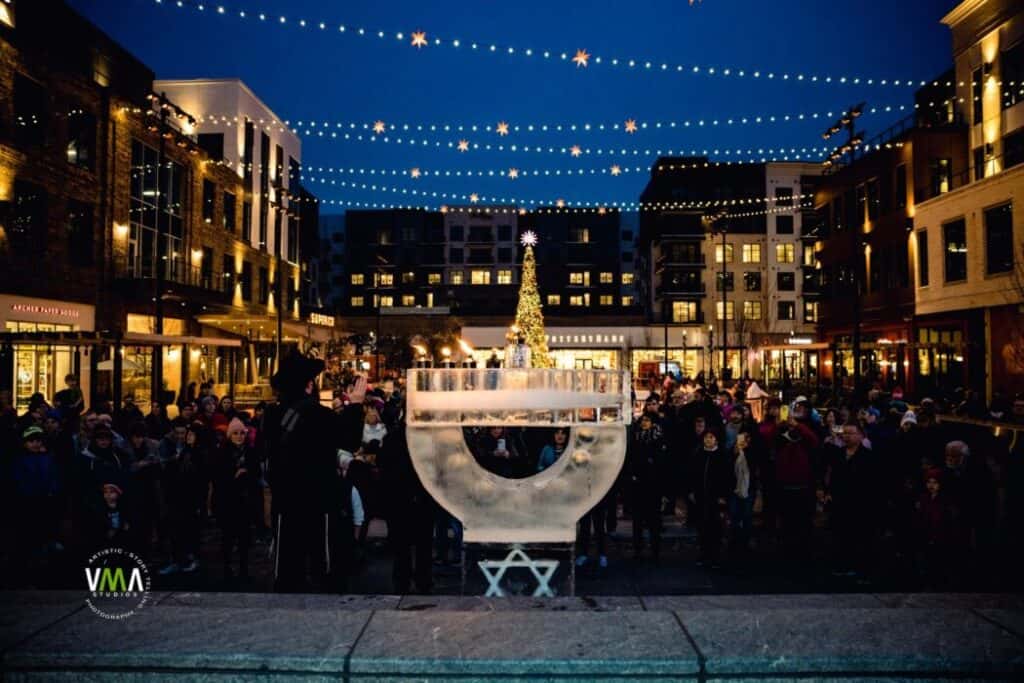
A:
{"x": 593, "y": 404}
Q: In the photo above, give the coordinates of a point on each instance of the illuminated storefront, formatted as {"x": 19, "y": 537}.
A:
{"x": 32, "y": 367}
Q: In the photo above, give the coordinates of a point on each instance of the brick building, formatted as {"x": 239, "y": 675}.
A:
{"x": 108, "y": 205}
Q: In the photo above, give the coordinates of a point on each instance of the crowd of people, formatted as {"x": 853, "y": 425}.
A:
{"x": 886, "y": 479}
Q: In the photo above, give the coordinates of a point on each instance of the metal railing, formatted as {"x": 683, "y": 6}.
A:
{"x": 179, "y": 273}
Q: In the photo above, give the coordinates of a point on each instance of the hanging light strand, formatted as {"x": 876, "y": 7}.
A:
{"x": 380, "y": 127}
{"x": 577, "y": 58}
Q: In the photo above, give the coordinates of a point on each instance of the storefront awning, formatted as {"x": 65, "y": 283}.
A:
{"x": 266, "y": 327}
{"x": 815, "y": 346}
{"x": 153, "y": 339}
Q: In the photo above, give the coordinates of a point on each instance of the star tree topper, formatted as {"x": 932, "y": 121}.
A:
{"x": 528, "y": 239}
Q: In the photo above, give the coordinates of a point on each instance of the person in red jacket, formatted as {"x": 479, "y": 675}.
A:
{"x": 935, "y": 530}
{"x": 796, "y": 479}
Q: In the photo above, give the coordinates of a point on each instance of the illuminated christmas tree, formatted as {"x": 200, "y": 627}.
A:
{"x": 529, "y": 317}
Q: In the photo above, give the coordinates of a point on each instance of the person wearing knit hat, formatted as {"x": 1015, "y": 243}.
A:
{"x": 237, "y": 496}
{"x": 909, "y": 420}
{"x": 33, "y": 433}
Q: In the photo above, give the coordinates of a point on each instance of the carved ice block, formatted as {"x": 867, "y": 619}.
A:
{"x": 544, "y": 508}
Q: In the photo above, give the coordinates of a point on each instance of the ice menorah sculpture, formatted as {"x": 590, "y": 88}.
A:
{"x": 594, "y": 405}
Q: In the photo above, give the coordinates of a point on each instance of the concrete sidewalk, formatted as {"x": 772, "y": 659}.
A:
{"x": 243, "y": 636}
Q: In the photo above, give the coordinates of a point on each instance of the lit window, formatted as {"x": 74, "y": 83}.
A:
{"x": 728, "y": 310}
{"x": 580, "y": 278}
{"x": 408, "y": 278}
{"x": 787, "y": 310}
{"x": 480, "y": 277}
{"x": 384, "y": 279}
{"x": 504, "y": 277}
{"x": 554, "y": 300}
{"x": 784, "y": 253}
{"x": 808, "y": 255}
{"x": 752, "y": 310}
{"x": 627, "y": 278}
{"x": 751, "y": 253}
{"x": 810, "y": 311}
{"x": 627, "y": 301}
{"x": 718, "y": 253}
{"x": 356, "y": 301}
{"x": 607, "y": 278}
{"x": 408, "y": 299}
{"x": 387, "y": 301}
{"x": 576, "y": 300}
{"x": 607, "y": 299}
{"x": 579, "y": 234}
{"x": 455, "y": 277}
{"x": 434, "y": 278}
{"x": 357, "y": 278}
{"x": 684, "y": 311}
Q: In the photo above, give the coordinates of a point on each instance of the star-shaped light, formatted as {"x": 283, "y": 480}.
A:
{"x": 415, "y": 173}
{"x": 581, "y": 58}
{"x": 463, "y": 145}
{"x": 378, "y": 127}
{"x": 630, "y": 125}
{"x": 522, "y": 212}
{"x": 616, "y": 170}
{"x": 560, "y": 203}
{"x": 513, "y": 173}
{"x": 501, "y": 128}
{"x": 575, "y": 150}
{"x": 602, "y": 211}
{"x": 528, "y": 239}
{"x": 474, "y": 197}
{"x": 419, "y": 38}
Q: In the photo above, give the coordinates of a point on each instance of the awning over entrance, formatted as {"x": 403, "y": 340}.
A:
{"x": 142, "y": 338}
{"x": 266, "y": 327}
{"x": 816, "y": 346}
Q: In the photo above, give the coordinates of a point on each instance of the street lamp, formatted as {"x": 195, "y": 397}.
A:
{"x": 711, "y": 352}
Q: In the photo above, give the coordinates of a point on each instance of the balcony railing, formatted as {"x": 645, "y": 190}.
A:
{"x": 682, "y": 260}
{"x": 684, "y": 288}
{"x": 176, "y": 272}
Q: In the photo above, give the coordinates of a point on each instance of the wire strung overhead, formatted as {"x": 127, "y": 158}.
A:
{"x": 418, "y": 38}
{"x": 476, "y": 197}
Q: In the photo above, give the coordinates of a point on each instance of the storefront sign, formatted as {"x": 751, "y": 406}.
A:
{"x": 45, "y": 310}
{"x": 321, "y": 319}
{"x": 799, "y": 340}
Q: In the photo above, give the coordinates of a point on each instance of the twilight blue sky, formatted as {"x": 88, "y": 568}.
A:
{"x": 306, "y": 73}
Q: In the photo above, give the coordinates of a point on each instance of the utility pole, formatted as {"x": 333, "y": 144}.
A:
{"x": 847, "y": 122}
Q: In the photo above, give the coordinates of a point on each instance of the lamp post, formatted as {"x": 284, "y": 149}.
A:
{"x": 682, "y": 369}
{"x": 711, "y": 352}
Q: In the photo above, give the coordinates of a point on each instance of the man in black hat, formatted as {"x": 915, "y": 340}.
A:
{"x": 311, "y": 502}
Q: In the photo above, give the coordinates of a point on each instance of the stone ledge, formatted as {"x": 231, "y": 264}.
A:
{"x": 227, "y": 636}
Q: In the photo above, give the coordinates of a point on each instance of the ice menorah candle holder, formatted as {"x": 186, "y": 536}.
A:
{"x": 594, "y": 405}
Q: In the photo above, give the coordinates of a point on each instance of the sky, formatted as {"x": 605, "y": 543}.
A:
{"x": 305, "y": 73}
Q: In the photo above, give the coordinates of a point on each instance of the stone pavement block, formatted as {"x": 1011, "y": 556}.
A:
{"x": 19, "y": 623}
{"x": 523, "y": 643}
{"x": 479, "y": 603}
{"x": 1011, "y": 620}
{"x": 772, "y": 601}
{"x": 953, "y": 600}
{"x": 308, "y": 601}
{"x": 168, "y": 638}
{"x": 852, "y": 641}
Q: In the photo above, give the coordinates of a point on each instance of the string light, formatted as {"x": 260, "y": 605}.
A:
{"x": 475, "y": 197}
{"x": 565, "y": 208}
{"x": 504, "y": 128}
{"x": 581, "y": 57}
